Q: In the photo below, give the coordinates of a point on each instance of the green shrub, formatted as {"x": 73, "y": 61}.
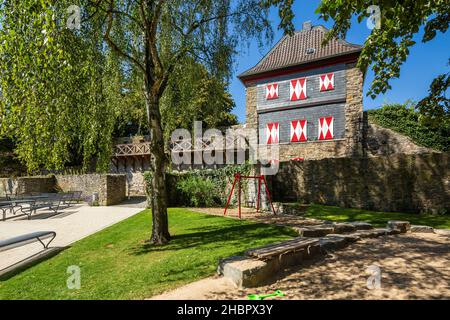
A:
{"x": 200, "y": 188}
{"x": 199, "y": 191}
{"x": 404, "y": 119}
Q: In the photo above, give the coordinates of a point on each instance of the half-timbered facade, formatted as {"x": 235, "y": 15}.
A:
{"x": 307, "y": 98}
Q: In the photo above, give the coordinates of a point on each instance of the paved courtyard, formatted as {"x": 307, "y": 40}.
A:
{"x": 71, "y": 225}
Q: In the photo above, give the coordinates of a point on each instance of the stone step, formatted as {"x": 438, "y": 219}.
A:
{"x": 442, "y": 232}
{"x": 333, "y": 242}
{"x": 422, "y": 229}
{"x": 343, "y": 227}
{"x": 245, "y": 272}
{"x": 261, "y": 264}
{"x": 378, "y": 232}
{"x": 402, "y": 226}
{"x": 314, "y": 231}
{"x": 328, "y": 228}
{"x": 362, "y": 225}
{"x": 349, "y": 237}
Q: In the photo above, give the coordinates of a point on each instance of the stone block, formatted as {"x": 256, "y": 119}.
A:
{"x": 315, "y": 231}
{"x": 370, "y": 233}
{"x": 402, "y": 226}
{"x": 343, "y": 227}
{"x": 349, "y": 237}
{"x": 442, "y": 232}
{"x": 333, "y": 242}
{"x": 362, "y": 225}
{"x": 422, "y": 229}
{"x": 246, "y": 272}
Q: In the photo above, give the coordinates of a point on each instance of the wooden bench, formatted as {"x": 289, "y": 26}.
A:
{"x": 276, "y": 250}
{"x": 28, "y": 238}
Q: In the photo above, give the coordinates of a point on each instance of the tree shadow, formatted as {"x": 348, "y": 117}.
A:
{"x": 204, "y": 237}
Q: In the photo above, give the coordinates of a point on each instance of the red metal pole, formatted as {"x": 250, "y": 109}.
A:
{"x": 268, "y": 194}
{"x": 239, "y": 195}
{"x": 258, "y": 197}
{"x": 231, "y": 193}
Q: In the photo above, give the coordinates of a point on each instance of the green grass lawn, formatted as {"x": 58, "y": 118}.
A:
{"x": 378, "y": 219}
{"x": 118, "y": 263}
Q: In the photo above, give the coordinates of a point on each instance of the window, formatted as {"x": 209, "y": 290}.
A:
{"x": 298, "y": 131}
{"x": 272, "y": 133}
{"x": 326, "y": 128}
{"x": 271, "y": 91}
{"x": 327, "y": 82}
{"x": 298, "y": 89}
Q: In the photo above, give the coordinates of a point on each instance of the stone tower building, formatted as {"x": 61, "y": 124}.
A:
{"x": 307, "y": 98}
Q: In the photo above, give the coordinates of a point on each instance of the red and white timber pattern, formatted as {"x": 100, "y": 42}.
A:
{"x": 298, "y": 131}
{"x": 326, "y": 128}
{"x": 327, "y": 82}
{"x": 271, "y": 91}
{"x": 272, "y": 133}
{"x": 298, "y": 89}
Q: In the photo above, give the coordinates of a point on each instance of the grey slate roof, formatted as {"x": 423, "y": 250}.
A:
{"x": 292, "y": 51}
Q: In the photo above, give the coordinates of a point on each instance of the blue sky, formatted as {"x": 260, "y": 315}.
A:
{"x": 423, "y": 64}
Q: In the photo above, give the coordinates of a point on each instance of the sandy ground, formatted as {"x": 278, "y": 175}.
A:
{"x": 413, "y": 266}
{"x": 71, "y": 225}
{"x": 262, "y": 217}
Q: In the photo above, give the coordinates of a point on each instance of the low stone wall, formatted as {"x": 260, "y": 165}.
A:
{"x": 24, "y": 185}
{"x": 115, "y": 188}
{"x": 111, "y": 188}
{"x": 413, "y": 183}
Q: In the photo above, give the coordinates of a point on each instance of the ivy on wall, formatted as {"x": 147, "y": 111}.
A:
{"x": 404, "y": 119}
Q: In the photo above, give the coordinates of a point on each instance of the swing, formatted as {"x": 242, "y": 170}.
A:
{"x": 237, "y": 179}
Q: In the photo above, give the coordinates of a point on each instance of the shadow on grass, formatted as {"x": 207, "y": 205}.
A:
{"x": 203, "y": 237}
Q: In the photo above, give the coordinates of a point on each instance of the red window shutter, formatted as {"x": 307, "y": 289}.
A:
{"x": 326, "y": 128}
{"x": 299, "y": 131}
{"x": 298, "y": 89}
{"x": 327, "y": 82}
{"x": 271, "y": 91}
{"x": 272, "y": 133}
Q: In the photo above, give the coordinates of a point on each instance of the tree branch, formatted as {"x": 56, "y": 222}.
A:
{"x": 115, "y": 47}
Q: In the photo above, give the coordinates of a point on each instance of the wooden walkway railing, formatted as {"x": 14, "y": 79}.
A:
{"x": 131, "y": 149}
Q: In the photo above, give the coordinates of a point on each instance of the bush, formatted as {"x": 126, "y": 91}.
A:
{"x": 199, "y": 192}
{"x": 404, "y": 119}
{"x": 200, "y": 188}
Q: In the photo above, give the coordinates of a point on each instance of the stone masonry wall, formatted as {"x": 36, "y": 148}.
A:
{"x": 384, "y": 141}
{"x": 115, "y": 188}
{"x": 26, "y": 185}
{"x": 110, "y": 187}
{"x": 354, "y": 111}
{"x": 414, "y": 183}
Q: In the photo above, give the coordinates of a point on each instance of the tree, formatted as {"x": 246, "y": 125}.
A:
{"x": 387, "y": 47}
{"x": 192, "y": 93}
{"x": 56, "y": 87}
{"x": 192, "y": 26}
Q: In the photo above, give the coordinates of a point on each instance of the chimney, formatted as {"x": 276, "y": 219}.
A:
{"x": 307, "y": 26}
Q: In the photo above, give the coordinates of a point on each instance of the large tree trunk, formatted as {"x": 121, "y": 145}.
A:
{"x": 160, "y": 228}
